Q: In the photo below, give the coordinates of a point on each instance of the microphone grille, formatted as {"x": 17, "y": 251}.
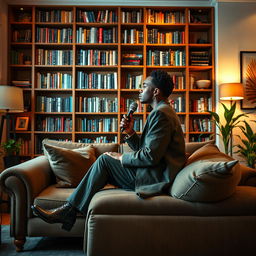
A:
{"x": 133, "y": 106}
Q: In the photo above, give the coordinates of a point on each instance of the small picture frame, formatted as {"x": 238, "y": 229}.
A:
{"x": 22, "y": 123}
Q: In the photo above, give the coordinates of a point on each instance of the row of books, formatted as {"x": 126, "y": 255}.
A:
{"x": 133, "y": 16}
{"x": 126, "y": 102}
{"x": 19, "y": 58}
{"x": 96, "y": 35}
{"x": 200, "y": 125}
{"x": 165, "y": 37}
{"x": 56, "y": 80}
{"x": 99, "y": 139}
{"x": 166, "y": 58}
{"x": 178, "y": 81}
{"x": 138, "y": 124}
{"x": 97, "y": 124}
{"x": 178, "y": 104}
{"x": 22, "y": 36}
{"x": 199, "y": 138}
{"x": 25, "y": 146}
{"x": 54, "y": 35}
{"x": 133, "y": 81}
{"x": 54, "y": 57}
{"x": 132, "y": 36}
{"x": 132, "y": 59}
{"x": 54, "y": 124}
{"x": 167, "y": 16}
{"x": 102, "y": 16}
{"x": 54, "y": 15}
{"x": 203, "y": 104}
{"x": 96, "y": 104}
{"x": 54, "y": 104}
{"x": 199, "y": 58}
{"x": 96, "y": 80}
{"x": 97, "y": 57}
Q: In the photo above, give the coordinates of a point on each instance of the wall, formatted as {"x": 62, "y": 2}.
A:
{"x": 236, "y": 31}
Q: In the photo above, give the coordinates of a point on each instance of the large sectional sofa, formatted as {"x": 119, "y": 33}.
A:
{"x": 120, "y": 223}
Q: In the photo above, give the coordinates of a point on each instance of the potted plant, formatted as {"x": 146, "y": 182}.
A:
{"x": 248, "y": 147}
{"x": 11, "y": 149}
{"x": 226, "y": 129}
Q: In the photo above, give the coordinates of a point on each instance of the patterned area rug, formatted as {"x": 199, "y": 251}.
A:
{"x": 42, "y": 246}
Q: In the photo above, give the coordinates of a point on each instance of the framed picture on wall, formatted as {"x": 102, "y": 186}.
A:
{"x": 22, "y": 123}
{"x": 248, "y": 78}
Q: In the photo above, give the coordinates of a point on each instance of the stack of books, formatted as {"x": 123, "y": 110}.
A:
{"x": 22, "y": 83}
{"x": 132, "y": 59}
{"x": 199, "y": 58}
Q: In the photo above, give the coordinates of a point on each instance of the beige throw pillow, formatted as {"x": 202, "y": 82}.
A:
{"x": 208, "y": 176}
{"x": 69, "y": 166}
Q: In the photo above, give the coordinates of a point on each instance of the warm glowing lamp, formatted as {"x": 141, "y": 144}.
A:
{"x": 11, "y": 100}
{"x": 231, "y": 91}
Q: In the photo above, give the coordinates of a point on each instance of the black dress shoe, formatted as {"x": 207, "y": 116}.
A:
{"x": 66, "y": 214}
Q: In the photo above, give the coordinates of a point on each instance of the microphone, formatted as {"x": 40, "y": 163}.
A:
{"x": 132, "y": 109}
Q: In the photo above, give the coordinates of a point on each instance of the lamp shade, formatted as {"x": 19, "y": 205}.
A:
{"x": 231, "y": 91}
{"x": 11, "y": 99}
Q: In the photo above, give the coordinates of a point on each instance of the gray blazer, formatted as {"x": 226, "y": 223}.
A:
{"x": 159, "y": 154}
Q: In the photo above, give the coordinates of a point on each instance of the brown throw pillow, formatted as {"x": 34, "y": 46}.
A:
{"x": 208, "y": 176}
{"x": 69, "y": 166}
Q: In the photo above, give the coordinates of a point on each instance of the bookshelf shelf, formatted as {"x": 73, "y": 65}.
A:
{"x": 38, "y": 34}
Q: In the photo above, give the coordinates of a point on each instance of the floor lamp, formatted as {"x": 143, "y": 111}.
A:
{"x": 231, "y": 92}
{"x": 11, "y": 100}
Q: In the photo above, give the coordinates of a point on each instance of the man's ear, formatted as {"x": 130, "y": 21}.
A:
{"x": 157, "y": 92}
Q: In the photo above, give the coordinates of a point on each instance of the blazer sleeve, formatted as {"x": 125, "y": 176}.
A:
{"x": 133, "y": 142}
{"x": 155, "y": 144}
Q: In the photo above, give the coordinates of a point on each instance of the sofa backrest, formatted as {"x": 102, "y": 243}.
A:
{"x": 99, "y": 147}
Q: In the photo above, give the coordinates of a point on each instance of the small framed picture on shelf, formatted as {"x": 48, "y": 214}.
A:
{"x": 22, "y": 123}
{"x": 248, "y": 78}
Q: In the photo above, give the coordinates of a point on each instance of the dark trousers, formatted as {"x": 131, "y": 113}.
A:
{"x": 105, "y": 170}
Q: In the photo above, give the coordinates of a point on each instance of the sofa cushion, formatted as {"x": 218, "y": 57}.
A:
{"x": 122, "y": 202}
{"x": 99, "y": 147}
{"x": 208, "y": 176}
{"x": 69, "y": 166}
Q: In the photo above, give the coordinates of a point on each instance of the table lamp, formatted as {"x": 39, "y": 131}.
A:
{"x": 231, "y": 92}
{"x": 11, "y": 101}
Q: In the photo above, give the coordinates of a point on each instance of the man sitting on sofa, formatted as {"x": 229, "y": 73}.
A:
{"x": 158, "y": 155}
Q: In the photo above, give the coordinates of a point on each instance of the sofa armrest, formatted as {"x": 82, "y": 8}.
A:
{"x": 23, "y": 183}
{"x": 248, "y": 176}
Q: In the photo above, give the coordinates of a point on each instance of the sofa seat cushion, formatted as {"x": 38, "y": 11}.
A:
{"x": 121, "y": 202}
{"x": 53, "y": 196}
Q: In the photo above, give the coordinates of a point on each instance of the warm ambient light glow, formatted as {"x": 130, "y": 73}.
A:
{"x": 231, "y": 91}
{"x": 11, "y": 99}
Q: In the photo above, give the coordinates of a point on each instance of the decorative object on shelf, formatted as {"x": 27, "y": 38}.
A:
{"x": 12, "y": 149}
{"x": 11, "y": 100}
{"x": 247, "y": 148}
{"x": 248, "y": 78}
{"x": 203, "y": 84}
{"x": 22, "y": 123}
{"x": 226, "y": 129}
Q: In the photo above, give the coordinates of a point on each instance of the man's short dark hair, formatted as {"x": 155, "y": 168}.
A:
{"x": 162, "y": 80}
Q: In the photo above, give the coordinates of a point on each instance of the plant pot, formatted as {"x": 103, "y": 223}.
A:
{"x": 10, "y": 161}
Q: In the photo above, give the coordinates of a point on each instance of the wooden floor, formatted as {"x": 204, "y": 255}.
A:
{"x": 5, "y": 219}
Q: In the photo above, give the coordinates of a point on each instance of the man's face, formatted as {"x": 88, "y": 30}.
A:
{"x": 146, "y": 93}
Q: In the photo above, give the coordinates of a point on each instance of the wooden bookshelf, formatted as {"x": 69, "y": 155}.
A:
{"x": 99, "y": 56}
